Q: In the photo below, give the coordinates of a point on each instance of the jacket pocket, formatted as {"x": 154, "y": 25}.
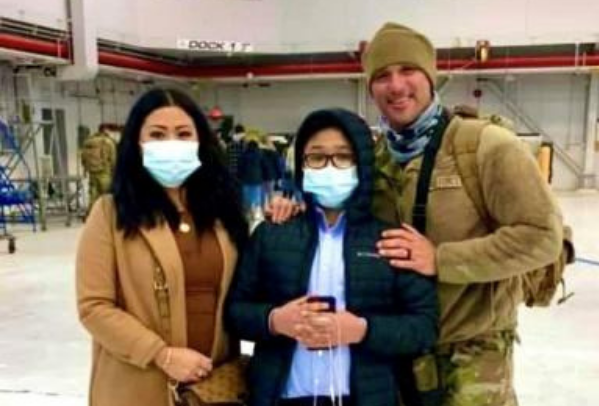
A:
{"x": 425, "y": 373}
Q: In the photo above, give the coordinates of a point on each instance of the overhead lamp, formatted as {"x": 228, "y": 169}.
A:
{"x": 216, "y": 113}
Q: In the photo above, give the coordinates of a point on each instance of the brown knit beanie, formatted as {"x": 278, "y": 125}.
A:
{"x": 397, "y": 44}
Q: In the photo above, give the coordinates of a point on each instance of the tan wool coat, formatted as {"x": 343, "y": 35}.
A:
{"x": 117, "y": 305}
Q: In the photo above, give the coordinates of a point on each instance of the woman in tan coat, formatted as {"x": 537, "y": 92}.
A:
{"x": 156, "y": 257}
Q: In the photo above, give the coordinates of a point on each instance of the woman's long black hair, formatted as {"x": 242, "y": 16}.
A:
{"x": 212, "y": 193}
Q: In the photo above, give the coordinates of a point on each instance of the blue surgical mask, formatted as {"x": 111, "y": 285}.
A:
{"x": 330, "y": 186}
{"x": 170, "y": 162}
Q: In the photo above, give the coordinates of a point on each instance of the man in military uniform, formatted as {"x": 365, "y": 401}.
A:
{"x": 98, "y": 156}
{"x": 478, "y": 265}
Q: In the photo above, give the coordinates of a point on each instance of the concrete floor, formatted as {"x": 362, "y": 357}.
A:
{"x": 44, "y": 353}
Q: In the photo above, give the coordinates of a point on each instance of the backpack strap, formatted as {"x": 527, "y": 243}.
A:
{"x": 464, "y": 136}
{"x": 424, "y": 179}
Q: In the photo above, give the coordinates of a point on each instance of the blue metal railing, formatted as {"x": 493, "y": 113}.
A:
{"x": 16, "y": 205}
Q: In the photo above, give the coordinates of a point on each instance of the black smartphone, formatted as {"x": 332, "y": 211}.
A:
{"x": 329, "y": 300}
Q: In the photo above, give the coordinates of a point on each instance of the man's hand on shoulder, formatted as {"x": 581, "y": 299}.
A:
{"x": 281, "y": 209}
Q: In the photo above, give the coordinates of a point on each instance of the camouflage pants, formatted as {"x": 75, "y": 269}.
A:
{"x": 478, "y": 372}
{"x": 99, "y": 184}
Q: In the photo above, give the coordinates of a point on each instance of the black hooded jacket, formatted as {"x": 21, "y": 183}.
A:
{"x": 399, "y": 306}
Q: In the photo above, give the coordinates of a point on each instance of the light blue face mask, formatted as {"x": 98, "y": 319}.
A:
{"x": 330, "y": 186}
{"x": 170, "y": 162}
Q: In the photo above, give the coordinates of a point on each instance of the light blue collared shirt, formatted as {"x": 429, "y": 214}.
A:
{"x": 323, "y": 372}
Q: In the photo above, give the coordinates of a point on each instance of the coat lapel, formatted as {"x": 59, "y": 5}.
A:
{"x": 220, "y": 346}
{"x": 229, "y": 253}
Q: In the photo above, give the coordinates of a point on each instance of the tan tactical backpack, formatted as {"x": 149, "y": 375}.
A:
{"x": 540, "y": 285}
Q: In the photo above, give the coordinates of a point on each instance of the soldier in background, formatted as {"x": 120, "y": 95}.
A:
{"x": 235, "y": 149}
{"x": 98, "y": 155}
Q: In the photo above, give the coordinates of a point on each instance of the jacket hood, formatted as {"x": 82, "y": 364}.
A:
{"x": 358, "y": 133}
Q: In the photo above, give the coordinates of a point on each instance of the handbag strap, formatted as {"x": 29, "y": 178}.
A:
{"x": 161, "y": 290}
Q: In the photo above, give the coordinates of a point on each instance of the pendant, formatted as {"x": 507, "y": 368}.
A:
{"x": 184, "y": 227}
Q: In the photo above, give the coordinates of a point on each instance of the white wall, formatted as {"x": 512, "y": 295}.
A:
{"x": 324, "y": 25}
{"x": 448, "y": 22}
{"x": 118, "y": 20}
{"x": 50, "y": 13}
{"x": 165, "y": 21}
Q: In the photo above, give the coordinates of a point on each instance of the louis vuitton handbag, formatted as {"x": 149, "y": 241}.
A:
{"x": 224, "y": 386}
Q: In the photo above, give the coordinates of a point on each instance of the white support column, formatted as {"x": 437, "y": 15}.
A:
{"x": 362, "y": 97}
{"x": 588, "y": 178}
{"x": 85, "y": 46}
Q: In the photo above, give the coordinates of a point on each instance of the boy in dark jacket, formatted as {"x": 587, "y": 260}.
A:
{"x": 372, "y": 314}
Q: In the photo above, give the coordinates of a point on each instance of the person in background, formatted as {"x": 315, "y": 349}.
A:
{"x": 251, "y": 176}
{"x": 271, "y": 168}
{"x": 235, "y": 149}
{"x": 172, "y": 229}
{"x": 317, "y": 282}
{"x": 98, "y": 157}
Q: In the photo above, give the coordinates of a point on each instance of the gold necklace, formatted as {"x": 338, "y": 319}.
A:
{"x": 184, "y": 227}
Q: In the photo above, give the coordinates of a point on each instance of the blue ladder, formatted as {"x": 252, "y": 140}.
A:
{"x": 16, "y": 205}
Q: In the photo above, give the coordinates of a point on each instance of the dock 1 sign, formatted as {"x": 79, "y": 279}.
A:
{"x": 214, "y": 46}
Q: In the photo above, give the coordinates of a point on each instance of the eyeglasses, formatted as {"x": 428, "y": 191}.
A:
{"x": 340, "y": 160}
